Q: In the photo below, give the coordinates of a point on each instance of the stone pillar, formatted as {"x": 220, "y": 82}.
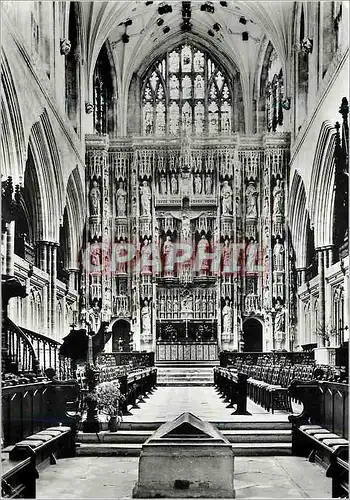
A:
{"x": 346, "y": 307}
{"x": 52, "y": 250}
{"x": 321, "y": 298}
{"x": 4, "y": 249}
{"x": 10, "y": 248}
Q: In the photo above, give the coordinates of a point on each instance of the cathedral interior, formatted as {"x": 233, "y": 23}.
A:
{"x": 174, "y": 183}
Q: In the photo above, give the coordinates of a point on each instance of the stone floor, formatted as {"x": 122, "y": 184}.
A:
{"x": 255, "y": 477}
{"x": 166, "y": 403}
{"x": 115, "y": 477}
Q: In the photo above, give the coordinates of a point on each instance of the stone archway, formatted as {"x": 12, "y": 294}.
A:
{"x": 121, "y": 336}
{"x": 253, "y": 335}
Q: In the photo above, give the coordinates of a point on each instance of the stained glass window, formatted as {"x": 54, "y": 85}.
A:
{"x": 185, "y": 91}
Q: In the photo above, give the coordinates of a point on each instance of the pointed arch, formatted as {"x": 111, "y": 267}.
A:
{"x": 299, "y": 221}
{"x": 321, "y": 193}
{"x": 13, "y": 145}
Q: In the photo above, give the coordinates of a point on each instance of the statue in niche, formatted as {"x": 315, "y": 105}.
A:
{"x": 202, "y": 251}
{"x": 279, "y": 322}
{"x": 168, "y": 253}
{"x": 227, "y": 257}
{"x": 162, "y": 184}
{"x": 175, "y": 306}
{"x": 278, "y": 255}
{"x": 197, "y": 184}
{"x": 251, "y": 256}
{"x": 93, "y": 318}
{"x": 121, "y": 257}
{"x": 278, "y": 198}
{"x": 173, "y": 184}
{"x": 145, "y": 198}
{"x": 226, "y": 195}
{"x": 208, "y": 184}
{"x": 146, "y": 318}
{"x": 187, "y": 303}
{"x": 227, "y": 317}
{"x": 186, "y": 227}
{"x": 95, "y": 199}
{"x": 121, "y": 200}
{"x": 186, "y": 184}
{"x": 146, "y": 254}
{"x": 251, "y": 200}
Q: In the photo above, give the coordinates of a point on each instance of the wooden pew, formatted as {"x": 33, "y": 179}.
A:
{"x": 233, "y": 386}
{"x": 321, "y": 430}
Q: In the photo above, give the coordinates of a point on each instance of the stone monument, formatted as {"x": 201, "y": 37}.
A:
{"x": 186, "y": 458}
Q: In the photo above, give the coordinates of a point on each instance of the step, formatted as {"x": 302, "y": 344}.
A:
{"x": 258, "y": 436}
{"x": 246, "y": 423}
{"x": 134, "y": 450}
{"x": 139, "y": 437}
{"x": 185, "y": 383}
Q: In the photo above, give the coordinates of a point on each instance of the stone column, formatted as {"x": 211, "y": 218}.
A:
{"x": 53, "y": 278}
{"x": 4, "y": 249}
{"x": 321, "y": 298}
{"x": 10, "y": 248}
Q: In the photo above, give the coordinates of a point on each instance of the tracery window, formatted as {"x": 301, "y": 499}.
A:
{"x": 186, "y": 92}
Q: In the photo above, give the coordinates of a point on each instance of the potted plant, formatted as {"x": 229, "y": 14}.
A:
{"x": 109, "y": 400}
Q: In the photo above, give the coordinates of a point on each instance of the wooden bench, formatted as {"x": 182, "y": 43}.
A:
{"x": 320, "y": 432}
{"x": 233, "y": 386}
{"x": 45, "y": 446}
{"x": 18, "y": 477}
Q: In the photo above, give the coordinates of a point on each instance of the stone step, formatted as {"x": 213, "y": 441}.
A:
{"x": 237, "y": 423}
{"x": 139, "y": 437}
{"x": 134, "y": 450}
{"x": 183, "y": 383}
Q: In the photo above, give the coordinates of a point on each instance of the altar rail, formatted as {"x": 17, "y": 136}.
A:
{"x": 186, "y": 351}
{"x": 237, "y": 359}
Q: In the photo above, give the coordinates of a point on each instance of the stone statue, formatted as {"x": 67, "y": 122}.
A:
{"x": 173, "y": 184}
{"x": 169, "y": 306}
{"x": 146, "y": 253}
{"x": 186, "y": 227}
{"x": 121, "y": 200}
{"x": 162, "y": 184}
{"x": 211, "y": 307}
{"x": 95, "y": 199}
{"x": 251, "y": 256}
{"x": 175, "y": 305}
{"x": 278, "y": 198}
{"x": 226, "y": 257}
{"x": 280, "y": 322}
{"x": 226, "y": 195}
{"x": 202, "y": 251}
{"x": 198, "y": 304}
{"x": 238, "y": 207}
{"x": 208, "y": 184}
{"x": 121, "y": 257}
{"x": 197, "y": 184}
{"x": 146, "y": 318}
{"x": 251, "y": 197}
{"x": 145, "y": 198}
{"x": 168, "y": 253}
{"x": 278, "y": 255}
{"x": 227, "y": 317}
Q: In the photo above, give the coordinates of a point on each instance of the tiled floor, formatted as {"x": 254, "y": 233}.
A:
{"x": 166, "y": 403}
{"x": 115, "y": 477}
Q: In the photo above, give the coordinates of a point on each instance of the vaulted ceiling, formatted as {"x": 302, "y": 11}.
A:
{"x": 216, "y": 25}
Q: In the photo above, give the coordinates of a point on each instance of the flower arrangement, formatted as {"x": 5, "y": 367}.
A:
{"x": 109, "y": 398}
